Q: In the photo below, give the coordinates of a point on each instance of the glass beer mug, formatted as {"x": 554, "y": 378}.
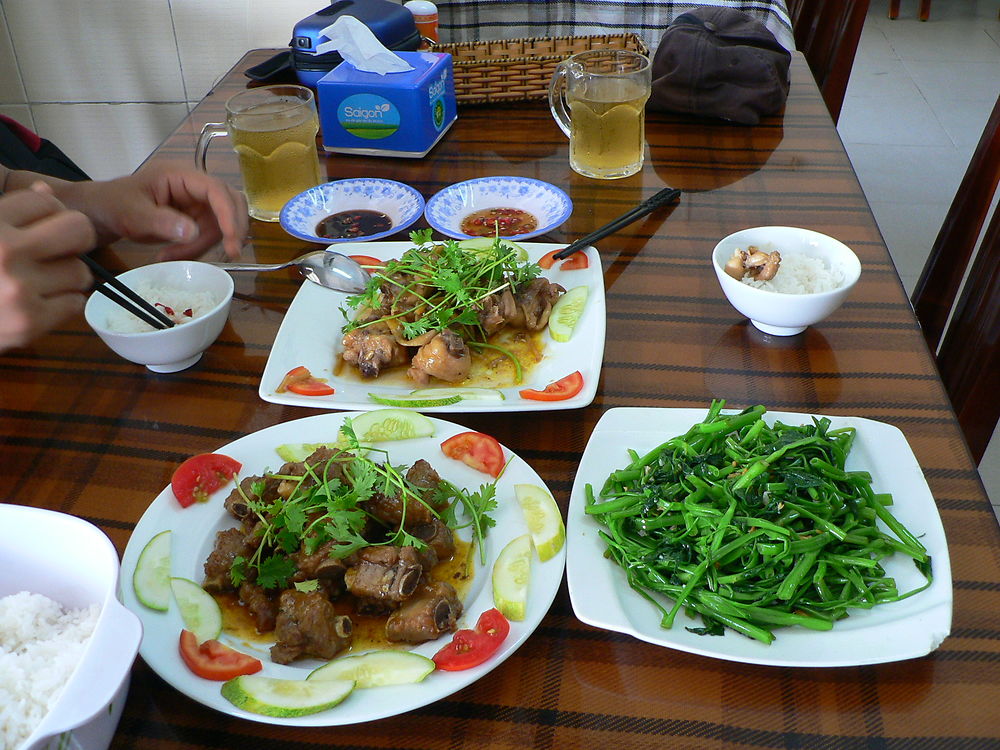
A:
{"x": 273, "y": 129}
{"x": 598, "y": 99}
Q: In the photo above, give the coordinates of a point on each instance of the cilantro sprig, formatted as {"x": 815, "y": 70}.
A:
{"x": 322, "y": 508}
{"x": 436, "y": 286}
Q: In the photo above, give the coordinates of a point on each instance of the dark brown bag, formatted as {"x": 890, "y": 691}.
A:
{"x": 720, "y": 63}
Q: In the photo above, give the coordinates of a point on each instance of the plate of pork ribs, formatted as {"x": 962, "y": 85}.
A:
{"x": 325, "y": 547}
{"x": 447, "y": 326}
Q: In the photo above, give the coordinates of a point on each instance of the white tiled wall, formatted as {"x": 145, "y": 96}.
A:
{"x": 107, "y": 80}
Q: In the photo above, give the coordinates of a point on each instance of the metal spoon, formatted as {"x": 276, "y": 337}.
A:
{"x": 324, "y": 267}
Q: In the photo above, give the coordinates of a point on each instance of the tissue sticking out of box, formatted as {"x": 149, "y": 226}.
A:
{"x": 359, "y": 46}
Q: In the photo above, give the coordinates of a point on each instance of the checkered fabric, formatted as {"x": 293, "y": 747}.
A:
{"x": 473, "y": 20}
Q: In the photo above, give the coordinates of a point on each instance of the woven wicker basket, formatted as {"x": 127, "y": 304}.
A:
{"x": 510, "y": 70}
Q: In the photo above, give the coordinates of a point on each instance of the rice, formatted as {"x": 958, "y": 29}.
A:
{"x": 40, "y": 646}
{"x": 800, "y": 274}
{"x": 177, "y": 304}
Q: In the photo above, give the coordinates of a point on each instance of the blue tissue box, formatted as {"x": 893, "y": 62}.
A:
{"x": 397, "y": 114}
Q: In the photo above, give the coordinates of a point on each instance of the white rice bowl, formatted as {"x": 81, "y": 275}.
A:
{"x": 815, "y": 276}
{"x": 67, "y": 647}
{"x": 40, "y": 647}
{"x": 172, "y": 301}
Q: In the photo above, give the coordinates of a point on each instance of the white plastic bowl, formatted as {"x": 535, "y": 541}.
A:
{"x": 547, "y": 203}
{"x": 170, "y": 349}
{"x": 778, "y": 313}
{"x": 401, "y": 203}
{"x": 72, "y": 562}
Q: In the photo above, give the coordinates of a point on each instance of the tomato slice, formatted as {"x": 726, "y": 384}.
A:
{"x": 215, "y": 661}
{"x": 201, "y": 475}
{"x": 313, "y": 387}
{"x": 560, "y": 390}
{"x": 470, "y": 648}
{"x": 573, "y": 262}
{"x": 367, "y": 261}
{"x": 481, "y": 452}
{"x": 300, "y": 380}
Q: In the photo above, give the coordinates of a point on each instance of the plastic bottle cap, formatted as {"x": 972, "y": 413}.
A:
{"x": 421, "y": 7}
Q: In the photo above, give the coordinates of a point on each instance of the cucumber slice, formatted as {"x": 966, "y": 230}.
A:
{"x": 511, "y": 576}
{"x": 299, "y": 451}
{"x": 376, "y": 668}
{"x": 544, "y": 519}
{"x": 466, "y": 394}
{"x": 566, "y": 313}
{"x": 151, "y": 578}
{"x": 199, "y": 611}
{"x": 391, "y": 424}
{"x": 413, "y": 402}
{"x": 272, "y": 696}
{"x": 485, "y": 244}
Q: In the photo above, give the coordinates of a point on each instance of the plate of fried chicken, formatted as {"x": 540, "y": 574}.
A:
{"x": 296, "y": 608}
{"x": 468, "y": 325}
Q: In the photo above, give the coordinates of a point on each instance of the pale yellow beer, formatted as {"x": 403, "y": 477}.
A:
{"x": 598, "y": 99}
{"x": 607, "y": 127}
{"x": 274, "y": 134}
{"x": 278, "y": 156}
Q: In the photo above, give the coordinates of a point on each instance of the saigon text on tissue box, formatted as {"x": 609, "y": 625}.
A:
{"x": 397, "y": 114}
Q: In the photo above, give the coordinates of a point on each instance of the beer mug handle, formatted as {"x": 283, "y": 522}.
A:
{"x": 557, "y": 99}
{"x": 210, "y": 131}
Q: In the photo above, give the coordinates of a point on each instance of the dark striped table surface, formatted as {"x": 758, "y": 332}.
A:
{"x": 87, "y": 433}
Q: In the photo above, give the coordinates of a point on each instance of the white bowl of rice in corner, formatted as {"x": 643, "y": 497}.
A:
{"x": 813, "y": 277}
{"x": 66, "y": 643}
{"x": 195, "y": 295}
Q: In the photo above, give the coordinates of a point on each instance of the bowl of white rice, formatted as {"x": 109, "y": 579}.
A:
{"x": 66, "y": 643}
{"x": 196, "y": 296}
{"x": 813, "y": 277}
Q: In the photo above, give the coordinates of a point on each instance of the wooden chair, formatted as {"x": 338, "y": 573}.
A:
{"x": 968, "y": 346}
{"x": 827, "y": 33}
{"x": 924, "y": 12}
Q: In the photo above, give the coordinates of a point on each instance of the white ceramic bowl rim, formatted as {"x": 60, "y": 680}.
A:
{"x": 400, "y": 202}
{"x": 851, "y": 265}
{"x": 442, "y": 208}
{"x": 125, "y": 275}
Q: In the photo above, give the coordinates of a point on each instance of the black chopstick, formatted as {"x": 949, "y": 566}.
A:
{"x": 131, "y": 301}
{"x": 667, "y": 195}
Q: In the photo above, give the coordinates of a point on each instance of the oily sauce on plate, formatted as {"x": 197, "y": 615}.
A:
{"x": 507, "y": 222}
{"x": 368, "y": 632}
{"x": 490, "y": 368}
{"x": 357, "y": 222}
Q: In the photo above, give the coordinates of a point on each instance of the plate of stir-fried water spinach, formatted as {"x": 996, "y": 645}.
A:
{"x": 762, "y": 537}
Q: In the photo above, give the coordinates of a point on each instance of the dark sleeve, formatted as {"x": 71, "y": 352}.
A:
{"x": 22, "y": 149}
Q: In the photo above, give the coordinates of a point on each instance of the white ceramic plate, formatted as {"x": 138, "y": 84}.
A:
{"x": 447, "y": 208}
{"x": 401, "y": 203}
{"x": 889, "y": 632}
{"x": 193, "y": 536}
{"x": 310, "y": 335}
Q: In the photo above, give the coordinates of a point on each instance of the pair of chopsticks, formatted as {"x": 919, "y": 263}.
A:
{"x": 667, "y": 195}
{"x": 125, "y": 297}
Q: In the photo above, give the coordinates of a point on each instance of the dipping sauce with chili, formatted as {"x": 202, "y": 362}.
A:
{"x": 506, "y": 222}
{"x": 359, "y": 222}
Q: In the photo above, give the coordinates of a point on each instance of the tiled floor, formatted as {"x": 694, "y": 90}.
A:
{"x": 918, "y": 98}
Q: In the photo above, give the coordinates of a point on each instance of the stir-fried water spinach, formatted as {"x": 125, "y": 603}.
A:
{"x": 753, "y": 526}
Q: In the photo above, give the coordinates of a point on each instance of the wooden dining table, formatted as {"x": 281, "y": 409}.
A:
{"x": 88, "y": 433}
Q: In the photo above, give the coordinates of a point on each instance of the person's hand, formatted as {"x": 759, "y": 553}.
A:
{"x": 165, "y": 202}
{"x": 42, "y": 279}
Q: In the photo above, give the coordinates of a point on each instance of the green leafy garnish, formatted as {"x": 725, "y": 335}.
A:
{"x": 432, "y": 287}
{"x": 322, "y": 508}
